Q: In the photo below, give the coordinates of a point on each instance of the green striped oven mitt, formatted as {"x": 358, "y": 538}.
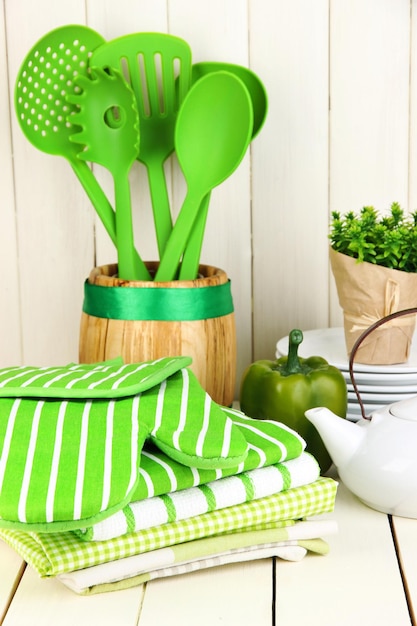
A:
{"x": 71, "y": 437}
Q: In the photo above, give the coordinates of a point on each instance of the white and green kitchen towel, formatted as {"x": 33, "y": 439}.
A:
{"x": 212, "y": 496}
{"x": 71, "y": 437}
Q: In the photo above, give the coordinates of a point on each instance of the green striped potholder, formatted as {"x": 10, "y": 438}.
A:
{"x": 71, "y": 437}
{"x": 269, "y": 442}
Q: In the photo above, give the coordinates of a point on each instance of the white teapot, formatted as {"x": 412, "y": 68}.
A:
{"x": 376, "y": 457}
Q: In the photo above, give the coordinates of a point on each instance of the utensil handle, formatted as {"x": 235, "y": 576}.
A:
{"x": 160, "y": 204}
{"x": 177, "y": 241}
{"x": 103, "y": 207}
{"x": 129, "y": 269}
{"x": 192, "y": 252}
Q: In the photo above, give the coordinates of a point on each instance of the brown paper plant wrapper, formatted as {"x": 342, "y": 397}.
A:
{"x": 367, "y": 293}
{"x": 383, "y": 321}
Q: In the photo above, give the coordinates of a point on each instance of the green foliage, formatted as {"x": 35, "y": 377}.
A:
{"x": 390, "y": 240}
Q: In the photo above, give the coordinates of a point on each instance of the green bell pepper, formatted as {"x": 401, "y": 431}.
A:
{"x": 284, "y": 389}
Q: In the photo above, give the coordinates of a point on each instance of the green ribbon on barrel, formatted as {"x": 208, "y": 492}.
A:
{"x": 158, "y": 303}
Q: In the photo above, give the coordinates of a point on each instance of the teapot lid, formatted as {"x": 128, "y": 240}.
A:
{"x": 405, "y": 409}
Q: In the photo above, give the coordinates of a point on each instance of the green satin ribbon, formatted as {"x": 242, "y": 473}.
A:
{"x": 158, "y": 303}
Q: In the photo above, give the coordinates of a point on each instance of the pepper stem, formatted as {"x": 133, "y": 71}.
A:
{"x": 293, "y": 365}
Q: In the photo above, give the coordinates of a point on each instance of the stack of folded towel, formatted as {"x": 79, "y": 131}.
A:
{"x": 112, "y": 475}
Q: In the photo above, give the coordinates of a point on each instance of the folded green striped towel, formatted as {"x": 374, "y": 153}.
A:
{"x": 71, "y": 437}
{"x": 51, "y": 554}
{"x": 289, "y": 542}
{"x": 212, "y": 496}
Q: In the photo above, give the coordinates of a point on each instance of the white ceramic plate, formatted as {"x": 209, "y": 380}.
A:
{"x": 355, "y": 409}
{"x": 329, "y": 343}
{"x": 379, "y": 398}
{"x": 382, "y": 380}
{"x": 381, "y": 388}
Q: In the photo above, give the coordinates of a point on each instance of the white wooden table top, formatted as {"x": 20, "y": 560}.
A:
{"x": 359, "y": 582}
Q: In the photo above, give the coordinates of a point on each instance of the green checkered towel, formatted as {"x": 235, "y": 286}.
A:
{"x": 55, "y": 553}
{"x": 71, "y": 437}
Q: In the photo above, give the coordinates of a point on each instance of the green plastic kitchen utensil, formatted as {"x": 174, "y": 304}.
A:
{"x": 109, "y": 136}
{"x": 251, "y": 81}
{"x": 44, "y": 79}
{"x": 257, "y": 92}
{"x": 213, "y": 129}
{"x": 158, "y": 67}
{"x": 192, "y": 253}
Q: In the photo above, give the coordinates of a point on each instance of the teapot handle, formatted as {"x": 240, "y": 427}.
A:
{"x": 368, "y": 331}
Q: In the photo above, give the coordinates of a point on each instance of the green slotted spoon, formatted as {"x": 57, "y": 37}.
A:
{"x": 257, "y": 92}
{"x": 109, "y": 121}
{"x": 213, "y": 130}
{"x": 158, "y": 67}
{"x": 45, "y": 78}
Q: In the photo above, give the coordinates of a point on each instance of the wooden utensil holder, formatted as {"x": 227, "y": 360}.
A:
{"x": 138, "y": 320}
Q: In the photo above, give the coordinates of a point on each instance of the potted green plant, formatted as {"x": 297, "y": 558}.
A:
{"x": 374, "y": 262}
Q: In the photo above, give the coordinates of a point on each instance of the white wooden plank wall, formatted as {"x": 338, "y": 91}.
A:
{"x": 340, "y": 133}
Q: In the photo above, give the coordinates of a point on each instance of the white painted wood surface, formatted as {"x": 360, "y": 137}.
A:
{"x": 340, "y": 133}
{"x": 10, "y": 326}
{"x": 405, "y": 534}
{"x": 358, "y": 582}
{"x": 45, "y": 602}
{"x": 237, "y": 595}
{"x": 12, "y": 568}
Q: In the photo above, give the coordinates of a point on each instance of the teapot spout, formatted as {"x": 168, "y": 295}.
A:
{"x": 341, "y": 437}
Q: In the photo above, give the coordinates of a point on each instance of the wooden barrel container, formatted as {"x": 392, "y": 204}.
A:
{"x": 145, "y": 320}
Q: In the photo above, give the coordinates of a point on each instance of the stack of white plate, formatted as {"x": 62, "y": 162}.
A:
{"x": 378, "y": 385}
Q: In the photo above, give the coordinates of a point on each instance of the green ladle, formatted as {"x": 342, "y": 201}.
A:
{"x": 213, "y": 130}
{"x": 257, "y": 92}
{"x": 45, "y": 78}
{"x": 109, "y": 135}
